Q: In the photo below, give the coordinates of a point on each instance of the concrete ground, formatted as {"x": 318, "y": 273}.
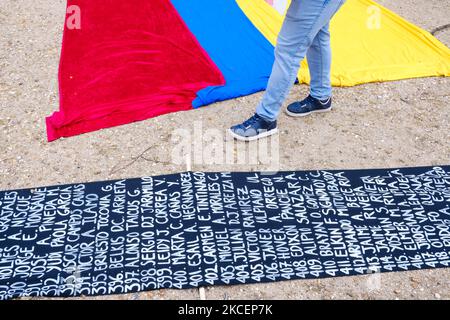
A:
{"x": 402, "y": 123}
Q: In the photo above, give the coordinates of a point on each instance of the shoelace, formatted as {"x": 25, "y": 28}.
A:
{"x": 310, "y": 99}
{"x": 251, "y": 121}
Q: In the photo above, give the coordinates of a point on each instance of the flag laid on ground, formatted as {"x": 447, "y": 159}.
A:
{"x": 132, "y": 60}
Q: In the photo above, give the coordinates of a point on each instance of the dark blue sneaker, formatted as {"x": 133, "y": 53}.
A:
{"x": 308, "y": 106}
{"x": 254, "y": 128}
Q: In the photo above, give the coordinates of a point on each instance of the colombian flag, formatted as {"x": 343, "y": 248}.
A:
{"x": 126, "y": 61}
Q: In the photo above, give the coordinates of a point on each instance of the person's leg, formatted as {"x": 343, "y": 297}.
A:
{"x": 319, "y": 63}
{"x": 304, "y": 20}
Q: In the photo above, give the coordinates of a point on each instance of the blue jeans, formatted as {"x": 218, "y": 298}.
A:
{"x": 305, "y": 31}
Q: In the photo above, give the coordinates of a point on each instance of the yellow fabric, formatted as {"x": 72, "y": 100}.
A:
{"x": 369, "y": 43}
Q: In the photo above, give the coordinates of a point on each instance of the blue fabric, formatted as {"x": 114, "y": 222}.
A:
{"x": 241, "y": 52}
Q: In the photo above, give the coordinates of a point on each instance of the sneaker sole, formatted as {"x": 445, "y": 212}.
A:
{"x": 296, "y": 115}
{"x": 259, "y": 136}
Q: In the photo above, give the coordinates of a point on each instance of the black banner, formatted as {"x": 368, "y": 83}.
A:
{"x": 198, "y": 229}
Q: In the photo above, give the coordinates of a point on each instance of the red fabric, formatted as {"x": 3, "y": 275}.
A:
{"x": 131, "y": 60}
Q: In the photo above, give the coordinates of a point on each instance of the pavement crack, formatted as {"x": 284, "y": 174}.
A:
{"x": 116, "y": 168}
{"x": 440, "y": 28}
